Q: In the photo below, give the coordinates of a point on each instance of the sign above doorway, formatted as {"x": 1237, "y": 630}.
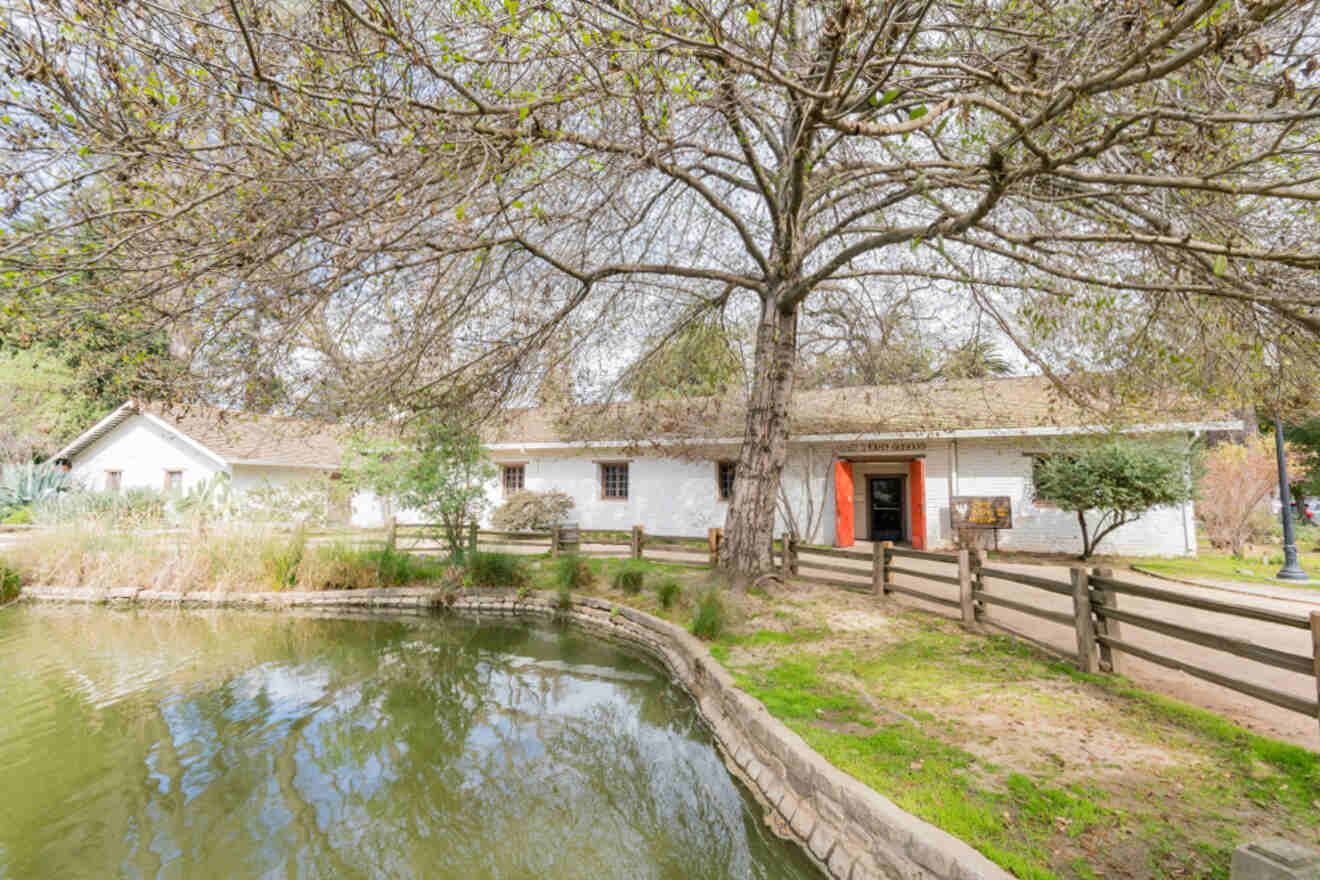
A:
{"x": 873, "y": 446}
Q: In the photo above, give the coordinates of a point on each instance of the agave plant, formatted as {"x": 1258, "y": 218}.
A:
{"x": 213, "y": 498}
{"x": 24, "y": 484}
{"x": 136, "y": 504}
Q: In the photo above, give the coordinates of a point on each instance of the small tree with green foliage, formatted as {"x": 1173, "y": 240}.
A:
{"x": 1119, "y": 479}
{"x": 526, "y": 510}
{"x": 436, "y": 469}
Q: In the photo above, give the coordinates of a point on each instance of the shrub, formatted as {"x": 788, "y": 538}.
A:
{"x": 1264, "y": 527}
{"x": 1116, "y": 481}
{"x": 496, "y": 569}
{"x": 666, "y": 592}
{"x": 9, "y": 583}
{"x": 708, "y": 620}
{"x": 563, "y": 598}
{"x": 346, "y": 567}
{"x": 629, "y": 577}
{"x": 306, "y": 502}
{"x": 17, "y": 516}
{"x": 133, "y": 506}
{"x": 532, "y": 511}
{"x": 573, "y": 573}
{"x": 25, "y": 484}
{"x": 1238, "y": 478}
{"x": 280, "y": 560}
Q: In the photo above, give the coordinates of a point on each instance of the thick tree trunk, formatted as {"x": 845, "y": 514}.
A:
{"x": 748, "y": 528}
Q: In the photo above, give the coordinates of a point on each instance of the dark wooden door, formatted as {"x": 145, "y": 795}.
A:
{"x": 886, "y": 495}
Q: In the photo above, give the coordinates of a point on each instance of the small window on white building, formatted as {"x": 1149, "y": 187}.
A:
{"x": 114, "y": 481}
{"x": 173, "y": 481}
{"x": 614, "y": 480}
{"x": 1037, "y": 497}
{"x": 514, "y": 478}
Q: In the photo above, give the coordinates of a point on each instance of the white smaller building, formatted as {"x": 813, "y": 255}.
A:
{"x": 137, "y": 446}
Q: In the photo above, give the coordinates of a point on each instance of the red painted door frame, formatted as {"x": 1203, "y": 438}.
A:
{"x": 917, "y": 501}
{"x": 843, "y": 504}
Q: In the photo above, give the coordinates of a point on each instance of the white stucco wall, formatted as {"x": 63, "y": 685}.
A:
{"x": 680, "y": 496}
{"x": 665, "y": 495}
{"x": 1003, "y": 467}
{"x": 143, "y": 451}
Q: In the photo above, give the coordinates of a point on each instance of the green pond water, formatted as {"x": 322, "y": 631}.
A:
{"x": 177, "y": 744}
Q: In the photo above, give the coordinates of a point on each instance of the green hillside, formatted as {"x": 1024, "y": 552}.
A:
{"x": 39, "y": 408}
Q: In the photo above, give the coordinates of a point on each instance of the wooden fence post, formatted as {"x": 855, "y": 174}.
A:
{"x": 965, "y": 599}
{"x": 636, "y": 542}
{"x": 1315, "y": 653}
{"x": 713, "y": 537}
{"x": 391, "y": 532}
{"x": 886, "y": 576}
{"x": 1110, "y": 660}
{"x": 877, "y": 568}
{"x": 472, "y": 537}
{"x": 1081, "y": 588}
{"x": 976, "y": 559}
{"x": 786, "y": 565}
{"x": 554, "y": 541}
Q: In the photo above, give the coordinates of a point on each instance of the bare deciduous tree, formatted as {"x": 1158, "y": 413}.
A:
{"x": 412, "y": 196}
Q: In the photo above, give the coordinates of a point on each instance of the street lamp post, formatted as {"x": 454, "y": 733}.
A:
{"x": 1291, "y": 570}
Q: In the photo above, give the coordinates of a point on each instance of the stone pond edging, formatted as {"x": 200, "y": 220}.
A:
{"x": 851, "y": 831}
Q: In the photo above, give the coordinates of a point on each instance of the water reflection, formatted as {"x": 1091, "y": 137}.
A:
{"x": 210, "y": 744}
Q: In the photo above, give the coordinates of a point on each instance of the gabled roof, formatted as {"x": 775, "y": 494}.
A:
{"x": 1006, "y": 406}
{"x": 231, "y": 437}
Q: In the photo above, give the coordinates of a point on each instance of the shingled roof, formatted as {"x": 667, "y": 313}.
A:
{"x": 1023, "y": 404}
{"x": 1020, "y": 403}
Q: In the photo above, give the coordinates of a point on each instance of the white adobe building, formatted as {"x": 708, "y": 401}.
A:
{"x": 137, "y": 446}
{"x": 877, "y": 463}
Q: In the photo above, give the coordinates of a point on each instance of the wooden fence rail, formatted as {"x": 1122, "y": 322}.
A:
{"x": 1098, "y": 622}
{"x": 1096, "y": 619}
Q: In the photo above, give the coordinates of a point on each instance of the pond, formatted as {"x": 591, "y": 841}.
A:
{"x": 180, "y": 744}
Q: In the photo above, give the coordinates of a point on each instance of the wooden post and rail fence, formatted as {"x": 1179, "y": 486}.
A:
{"x": 964, "y": 584}
{"x": 1098, "y": 622}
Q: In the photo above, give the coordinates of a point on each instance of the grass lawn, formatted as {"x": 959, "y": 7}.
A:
{"x": 1048, "y": 772}
{"x": 1257, "y": 566}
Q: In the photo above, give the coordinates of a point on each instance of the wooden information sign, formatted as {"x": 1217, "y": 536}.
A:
{"x": 982, "y": 512}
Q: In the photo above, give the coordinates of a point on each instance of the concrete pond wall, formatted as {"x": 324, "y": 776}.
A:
{"x": 850, "y": 831}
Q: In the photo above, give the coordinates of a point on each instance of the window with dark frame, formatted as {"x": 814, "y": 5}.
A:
{"x": 515, "y": 478}
{"x": 113, "y": 480}
{"x": 1037, "y": 499}
{"x": 725, "y": 473}
{"x": 614, "y": 481}
{"x": 173, "y": 481}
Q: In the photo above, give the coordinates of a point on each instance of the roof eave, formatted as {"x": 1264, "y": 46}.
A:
{"x": 117, "y": 417}
{"x": 957, "y": 434}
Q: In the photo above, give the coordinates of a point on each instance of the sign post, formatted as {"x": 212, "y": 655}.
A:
{"x": 982, "y": 512}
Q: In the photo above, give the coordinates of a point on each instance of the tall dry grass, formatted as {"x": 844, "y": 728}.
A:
{"x": 226, "y": 557}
